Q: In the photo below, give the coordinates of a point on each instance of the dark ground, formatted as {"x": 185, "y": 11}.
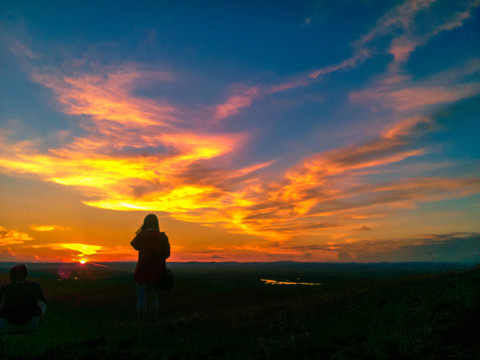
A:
{"x": 224, "y": 311}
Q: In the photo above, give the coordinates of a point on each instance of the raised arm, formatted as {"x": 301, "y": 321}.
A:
{"x": 165, "y": 246}
{"x": 135, "y": 243}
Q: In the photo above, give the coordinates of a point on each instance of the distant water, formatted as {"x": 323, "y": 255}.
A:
{"x": 276, "y": 282}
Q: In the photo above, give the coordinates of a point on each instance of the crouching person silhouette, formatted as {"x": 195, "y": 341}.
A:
{"x": 153, "y": 248}
{"x": 22, "y": 303}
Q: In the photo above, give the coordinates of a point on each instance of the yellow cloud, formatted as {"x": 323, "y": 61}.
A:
{"x": 82, "y": 248}
{"x": 9, "y": 237}
{"x": 44, "y": 228}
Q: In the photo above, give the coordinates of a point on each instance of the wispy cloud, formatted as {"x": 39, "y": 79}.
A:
{"x": 412, "y": 38}
{"x": 241, "y": 98}
{"x": 356, "y": 59}
{"x": 107, "y": 98}
{"x": 395, "y": 89}
{"x": 401, "y": 19}
{"x": 414, "y": 96}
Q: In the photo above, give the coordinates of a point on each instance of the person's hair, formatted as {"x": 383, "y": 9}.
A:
{"x": 18, "y": 273}
{"x": 150, "y": 222}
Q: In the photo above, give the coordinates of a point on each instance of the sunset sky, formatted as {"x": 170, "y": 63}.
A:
{"x": 255, "y": 130}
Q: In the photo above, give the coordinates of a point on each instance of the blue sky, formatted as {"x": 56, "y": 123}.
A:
{"x": 256, "y": 131}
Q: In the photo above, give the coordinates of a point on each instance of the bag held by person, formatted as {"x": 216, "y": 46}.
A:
{"x": 166, "y": 281}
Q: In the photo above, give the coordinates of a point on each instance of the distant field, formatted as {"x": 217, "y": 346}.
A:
{"x": 224, "y": 311}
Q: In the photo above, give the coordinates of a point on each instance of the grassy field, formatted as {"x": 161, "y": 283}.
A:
{"x": 224, "y": 311}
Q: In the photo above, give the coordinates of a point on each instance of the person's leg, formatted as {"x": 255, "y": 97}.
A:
{"x": 142, "y": 292}
{"x": 34, "y": 324}
{"x": 154, "y": 294}
{"x": 3, "y": 325}
{"x": 43, "y": 309}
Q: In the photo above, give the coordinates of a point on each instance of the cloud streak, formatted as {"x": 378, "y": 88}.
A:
{"x": 47, "y": 228}
{"x": 242, "y": 98}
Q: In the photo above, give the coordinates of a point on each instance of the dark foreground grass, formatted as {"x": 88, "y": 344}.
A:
{"x": 226, "y": 313}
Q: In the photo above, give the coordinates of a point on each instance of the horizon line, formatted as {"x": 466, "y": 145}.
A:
{"x": 247, "y": 262}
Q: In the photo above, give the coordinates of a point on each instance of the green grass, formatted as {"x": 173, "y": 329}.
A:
{"x": 216, "y": 312}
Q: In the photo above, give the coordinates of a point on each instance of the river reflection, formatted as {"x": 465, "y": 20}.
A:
{"x": 276, "y": 282}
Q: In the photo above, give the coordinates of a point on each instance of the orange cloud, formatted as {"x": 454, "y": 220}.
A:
{"x": 45, "y": 228}
{"x": 10, "y": 237}
{"x": 108, "y": 97}
{"x": 242, "y": 98}
{"x": 408, "y": 127}
{"x": 415, "y": 97}
{"x": 391, "y": 94}
{"x": 292, "y": 84}
{"x": 401, "y": 49}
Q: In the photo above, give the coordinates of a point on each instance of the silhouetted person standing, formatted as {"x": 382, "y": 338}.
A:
{"x": 22, "y": 303}
{"x": 153, "y": 248}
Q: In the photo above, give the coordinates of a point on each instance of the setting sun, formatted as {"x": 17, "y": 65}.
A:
{"x": 83, "y": 261}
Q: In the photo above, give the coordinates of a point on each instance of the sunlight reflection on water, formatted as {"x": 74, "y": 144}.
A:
{"x": 276, "y": 282}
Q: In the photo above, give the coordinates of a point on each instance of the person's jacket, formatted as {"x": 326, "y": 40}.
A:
{"x": 153, "y": 248}
{"x": 19, "y": 301}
